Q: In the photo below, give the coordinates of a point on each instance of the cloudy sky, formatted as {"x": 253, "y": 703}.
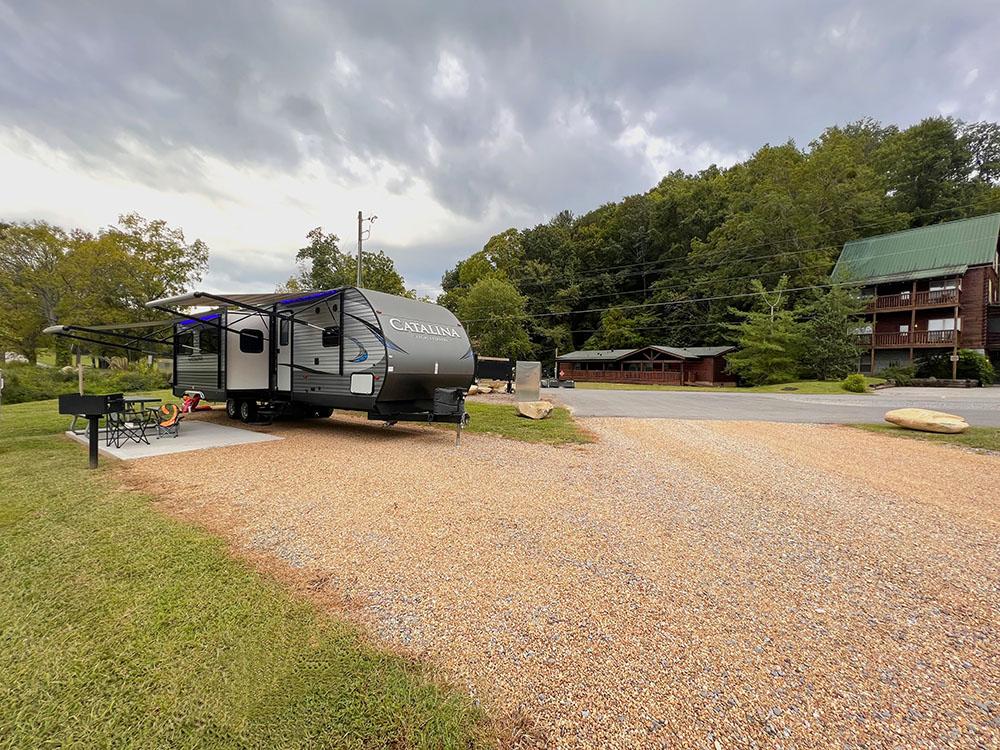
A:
{"x": 249, "y": 122}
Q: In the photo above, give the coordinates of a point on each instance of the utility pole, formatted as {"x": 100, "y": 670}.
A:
{"x": 363, "y": 236}
{"x": 359, "y": 248}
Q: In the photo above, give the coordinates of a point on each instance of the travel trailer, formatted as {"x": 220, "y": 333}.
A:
{"x": 306, "y": 354}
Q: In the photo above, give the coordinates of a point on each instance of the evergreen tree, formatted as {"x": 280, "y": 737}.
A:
{"x": 769, "y": 339}
{"x": 830, "y": 347}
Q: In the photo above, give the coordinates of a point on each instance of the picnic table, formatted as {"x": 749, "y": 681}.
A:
{"x": 137, "y": 404}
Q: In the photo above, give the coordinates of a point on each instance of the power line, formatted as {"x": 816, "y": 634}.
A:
{"x": 698, "y": 282}
{"x": 596, "y": 270}
{"x": 710, "y": 299}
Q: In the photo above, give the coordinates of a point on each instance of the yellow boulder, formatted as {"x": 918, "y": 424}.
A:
{"x": 927, "y": 420}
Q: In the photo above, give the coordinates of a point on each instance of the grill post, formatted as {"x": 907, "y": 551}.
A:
{"x": 94, "y": 420}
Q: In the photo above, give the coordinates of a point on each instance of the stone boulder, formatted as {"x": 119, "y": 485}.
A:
{"x": 473, "y": 389}
{"x": 484, "y": 389}
{"x": 534, "y": 409}
{"x": 927, "y": 420}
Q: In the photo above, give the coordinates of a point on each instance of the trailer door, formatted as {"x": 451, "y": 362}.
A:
{"x": 247, "y": 351}
{"x": 283, "y": 355}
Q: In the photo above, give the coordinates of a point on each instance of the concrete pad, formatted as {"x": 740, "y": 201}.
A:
{"x": 194, "y": 436}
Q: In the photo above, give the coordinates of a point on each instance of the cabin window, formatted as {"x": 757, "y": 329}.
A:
{"x": 331, "y": 336}
{"x": 941, "y": 286}
{"x": 943, "y": 324}
{"x": 284, "y": 329}
{"x": 251, "y": 341}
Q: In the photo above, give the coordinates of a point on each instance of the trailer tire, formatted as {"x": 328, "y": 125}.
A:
{"x": 324, "y": 412}
{"x": 248, "y": 411}
{"x": 232, "y": 408}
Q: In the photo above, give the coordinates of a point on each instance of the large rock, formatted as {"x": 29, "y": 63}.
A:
{"x": 927, "y": 420}
{"x": 473, "y": 389}
{"x": 484, "y": 389}
{"x": 534, "y": 409}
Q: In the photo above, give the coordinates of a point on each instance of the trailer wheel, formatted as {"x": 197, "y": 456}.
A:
{"x": 248, "y": 411}
{"x": 324, "y": 412}
{"x": 232, "y": 408}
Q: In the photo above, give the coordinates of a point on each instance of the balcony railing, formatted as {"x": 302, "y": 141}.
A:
{"x": 908, "y": 338}
{"x": 672, "y": 377}
{"x": 909, "y": 300}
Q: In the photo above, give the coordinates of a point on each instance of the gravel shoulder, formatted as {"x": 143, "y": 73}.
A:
{"x": 678, "y": 583}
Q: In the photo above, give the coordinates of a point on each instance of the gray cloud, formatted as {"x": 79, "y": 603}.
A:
{"x": 508, "y": 108}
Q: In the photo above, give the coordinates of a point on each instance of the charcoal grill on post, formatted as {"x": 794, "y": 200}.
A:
{"x": 93, "y": 408}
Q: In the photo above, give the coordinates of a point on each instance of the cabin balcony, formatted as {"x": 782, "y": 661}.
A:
{"x": 907, "y": 339}
{"x": 911, "y": 300}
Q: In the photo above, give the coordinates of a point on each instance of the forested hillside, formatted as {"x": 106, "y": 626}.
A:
{"x": 669, "y": 266}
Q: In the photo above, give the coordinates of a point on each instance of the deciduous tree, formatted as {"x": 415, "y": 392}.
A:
{"x": 493, "y": 314}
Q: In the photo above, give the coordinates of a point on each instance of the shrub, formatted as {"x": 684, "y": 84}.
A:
{"x": 971, "y": 365}
{"x": 32, "y": 383}
{"x": 899, "y": 375}
{"x": 855, "y": 383}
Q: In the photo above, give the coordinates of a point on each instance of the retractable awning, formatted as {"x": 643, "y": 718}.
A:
{"x": 245, "y": 301}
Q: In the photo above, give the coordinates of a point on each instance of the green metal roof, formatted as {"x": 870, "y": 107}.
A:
{"x": 937, "y": 250}
{"x": 704, "y": 351}
{"x": 613, "y": 355}
{"x": 593, "y": 355}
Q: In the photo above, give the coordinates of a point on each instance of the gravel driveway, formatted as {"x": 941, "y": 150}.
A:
{"x": 695, "y": 584}
{"x": 980, "y": 406}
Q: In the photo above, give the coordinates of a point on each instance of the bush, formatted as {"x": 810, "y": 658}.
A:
{"x": 899, "y": 375}
{"x": 855, "y": 383}
{"x": 32, "y": 383}
{"x": 971, "y": 366}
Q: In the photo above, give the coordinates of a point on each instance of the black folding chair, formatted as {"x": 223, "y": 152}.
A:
{"x": 123, "y": 427}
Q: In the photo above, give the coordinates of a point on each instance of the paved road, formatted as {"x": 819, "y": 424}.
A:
{"x": 980, "y": 406}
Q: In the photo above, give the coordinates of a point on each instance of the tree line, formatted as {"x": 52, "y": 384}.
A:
{"x": 50, "y": 275}
{"x": 685, "y": 263}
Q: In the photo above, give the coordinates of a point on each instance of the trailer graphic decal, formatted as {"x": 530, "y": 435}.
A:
{"x": 388, "y": 343}
{"x": 362, "y": 355}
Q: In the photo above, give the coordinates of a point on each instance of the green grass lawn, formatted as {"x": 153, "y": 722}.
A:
{"x": 982, "y": 438}
{"x": 121, "y": 627}
{"x": 801, "y": 386}
{"x": 503, "y": 420}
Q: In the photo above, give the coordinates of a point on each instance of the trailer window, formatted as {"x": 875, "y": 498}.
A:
{"x": 251, "y": 341}
{"x": 284, "y": 328}
{"x": 331, "y": 336}
{"x": 208, "y": 340}
{"x": 184, "y": 343}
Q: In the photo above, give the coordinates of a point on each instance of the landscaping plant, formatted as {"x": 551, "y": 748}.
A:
{"x": 855, "y": 383}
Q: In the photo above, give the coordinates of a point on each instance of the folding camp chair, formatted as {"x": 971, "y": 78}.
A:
{"x": 168, "y": 421}
{"x": 122, "y": 428}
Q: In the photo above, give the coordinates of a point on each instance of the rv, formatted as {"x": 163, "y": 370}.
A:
{"x": 306, "y": 354}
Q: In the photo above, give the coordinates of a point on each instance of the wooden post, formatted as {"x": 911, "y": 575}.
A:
{"x": 913, "y": 318}
{"x": 871, "y": 342}
{"x": 79, "y": 371}
{"x": 954, "y": 349}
